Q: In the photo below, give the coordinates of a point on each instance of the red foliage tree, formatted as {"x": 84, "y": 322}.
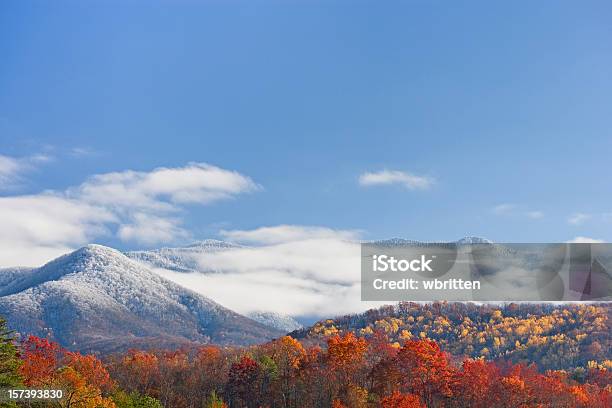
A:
{"x": 242, "y": 383}
{"x": 426, "y": 370}
{"x": 40, "y": 361}
{"x": 399, "y": 400}
{"x": 474, "y": 382}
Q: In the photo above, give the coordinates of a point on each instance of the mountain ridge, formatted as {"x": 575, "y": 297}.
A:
{"x": 182, "y": 259}
{"x": 96, "y": 297}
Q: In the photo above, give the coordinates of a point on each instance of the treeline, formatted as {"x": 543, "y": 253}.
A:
{"x": 553, "y": 336}
{"x": 350, "y": 371}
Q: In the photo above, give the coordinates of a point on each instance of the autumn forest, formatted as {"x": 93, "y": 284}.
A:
{"x": 409, "y": 355}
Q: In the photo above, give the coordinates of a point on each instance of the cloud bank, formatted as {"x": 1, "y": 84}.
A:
{"x": 289, "y": 269}
{"x": 288, "y": 233}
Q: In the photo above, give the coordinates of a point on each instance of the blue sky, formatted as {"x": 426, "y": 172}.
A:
{"x": 504, "y": 108}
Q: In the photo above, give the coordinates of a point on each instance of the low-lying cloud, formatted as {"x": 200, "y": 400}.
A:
{"x": 585, "y": 240}
{"x": 291, "y": 269}
{"x": 287, "y": 233}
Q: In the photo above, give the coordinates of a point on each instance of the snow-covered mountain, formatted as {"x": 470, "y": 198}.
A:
{"x": 276, "y": 320}
{"x": 460, "y": 242}
{"x": 473, "y": 241}
{"x": 182, "y": 259}
{"x": 10, "y": 275}
{"x": 98, "y": 299}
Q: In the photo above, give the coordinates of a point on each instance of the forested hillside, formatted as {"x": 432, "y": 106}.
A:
{"x": 552, "y": 336}
{"x": 382, "y": 366}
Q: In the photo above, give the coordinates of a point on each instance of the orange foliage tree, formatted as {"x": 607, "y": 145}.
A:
{"x": 84, "y": 379}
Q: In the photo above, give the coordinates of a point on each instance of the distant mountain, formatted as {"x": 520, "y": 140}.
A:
{"x": 97, "y": 299}
{"x": 189, "y": 258}
{"x": 461, "y": 242}
{"x": 276, "y": 320}
{"x": 182, "y": 259}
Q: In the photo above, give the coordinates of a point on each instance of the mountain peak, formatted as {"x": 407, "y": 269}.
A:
{"x": 470, "y": 240}
{"x": 96, "y": 250}
{"x": 90, "y": 259}
{"x": 92, "y": 256}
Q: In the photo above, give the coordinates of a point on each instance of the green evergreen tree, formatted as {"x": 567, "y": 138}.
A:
{"x": 9, "y": 359}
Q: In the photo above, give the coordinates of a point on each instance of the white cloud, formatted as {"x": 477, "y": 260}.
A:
{"x": 288, "y": 233}
{"x": 578, "y": 218}
{"x": 586, "y": 240}
{"x": 37, "y": 228}
{"x": 147, "y": 202}
{"x": 197, "y": 183}
{"x": 39, "y": 158}
{"x": 9, "y": 168}
{"x": 142, "y": 207}
{"x": 507, "y": 209}
{"x": 150, "y": 229}
{"x": 503, "y": 209}
{"x": 386, "y": 177}
{"x": 81, "y": 152}
{"x": 296, "y": 270}
{"x": 536, "y": 215}
{"x": 12, "y": 168}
